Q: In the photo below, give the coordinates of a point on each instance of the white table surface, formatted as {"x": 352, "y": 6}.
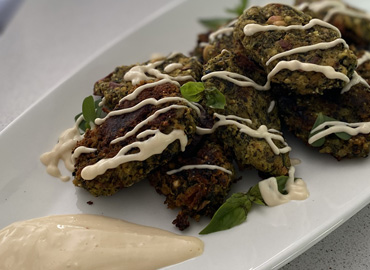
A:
{"x": 46, "y": 41}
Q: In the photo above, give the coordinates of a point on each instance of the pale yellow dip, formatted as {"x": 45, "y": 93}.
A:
{"x": 91, "y": 242}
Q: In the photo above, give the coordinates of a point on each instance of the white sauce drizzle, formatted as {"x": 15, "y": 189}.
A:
{"x": 171, "y": 67}
{"x": 328, "y": 71}
{"x": 331, "y": 127}
{"x": 147, "y": 101}
{"x": 81, "y": 150}
{"x": 102, "y": 102}
{"x": 363, "y": 59}
{"x": 356, "y": 79}
{"x": 261, "y": 133}
{"x": 303, "y": 49}
{"x": 296, "y": 188}
{"x": 302, "y": 6}
{"x": 235, "y": 78}
{"x": 62, "y": 151}
{"x": 295, "y": 161}
{"x": 251, "y": 29}
{"x": 200, "y": 166}
{"x": 91, "y": 242}
{"x": 335, "y": 7}
{"x": 141, "y": 88}
{"x": 146, "y": 121}
{"x": 173, "y": 55}
{"x": 292, "y": 65}
{"x": 271, "y": 107}
{"x": 227, "y": 31}
{"x": 138, "y": 73}
{"x": 152, "y": 146}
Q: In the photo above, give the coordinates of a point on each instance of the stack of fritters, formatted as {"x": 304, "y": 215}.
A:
{"x": 272, "y": 64}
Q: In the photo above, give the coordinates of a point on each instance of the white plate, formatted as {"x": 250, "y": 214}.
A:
{"x": 269, "y": 238}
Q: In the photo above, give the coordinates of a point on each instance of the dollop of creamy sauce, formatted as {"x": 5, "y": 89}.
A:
{"x": 296, "y": 188}
{"x": 62, "y": 151}
{"x": 91, "y": 242}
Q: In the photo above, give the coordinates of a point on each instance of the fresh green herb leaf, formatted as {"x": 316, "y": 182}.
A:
{"x": 215, "y": 99}
{"x": 232, "y": 213}
{"x": 321, "y": 118}
{"x": 195, "y": 92}
{"x": 281, "y": 182}
{"x": 255, "y": 195}
{"x": 344, "y": 136}
{"x": 319, "y": 121}
{"x": 238, "y": 10}
{"x": 213, "y": 24}
{"x": 88, "y": 110}
{"x": 192, "y": 91}
{"x": 235, "y": 209}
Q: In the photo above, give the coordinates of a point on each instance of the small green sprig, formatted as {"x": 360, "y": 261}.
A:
{"x": 213, "y": 24}
{"x": 321, "y": 118}
{"x": 90, "y": 111}
{"x": 196, "y": 91}
{"x": 235, "y": 209}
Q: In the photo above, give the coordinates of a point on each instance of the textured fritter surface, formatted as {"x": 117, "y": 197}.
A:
{"x": 197, "y": 192}
{"x": 263, "y": 45}
{"x": 355, "y": 29}
{"x": 363, "y": 68}
{"x": 248, "y": 103}
{"x": 131, "y": 172}
{"x": 113, "y": 87}
{"x": 299, "y": 114}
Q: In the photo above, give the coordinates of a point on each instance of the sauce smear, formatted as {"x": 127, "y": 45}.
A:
{"x": 91, "y": 242}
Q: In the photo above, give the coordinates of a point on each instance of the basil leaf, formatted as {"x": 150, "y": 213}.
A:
{"x": 88, "y": 110}
{"x": 343, "y": 135}
{"x": 214, "y": 23}
{"x": 232, "y": 213}
{"x": 319, "y": 121}
{"x": 238, "y": 10}
{"x": 255, "y": 195}
{"x": 281, "y": 182}
{"x": 215, "y": 99}
{"x": 321, "y": 118}
{"x": 192, "y": 91}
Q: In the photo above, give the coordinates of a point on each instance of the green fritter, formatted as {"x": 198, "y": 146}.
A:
{"x": 354, "y": 24}
{"x": 181, "y": 119}
{"x": 115, "y": 86}
{"x": 247, "y": 103}
{"x": 299, "y": 114}
{"x": 196, "y": 191}
{"x": 274, "y": 29}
